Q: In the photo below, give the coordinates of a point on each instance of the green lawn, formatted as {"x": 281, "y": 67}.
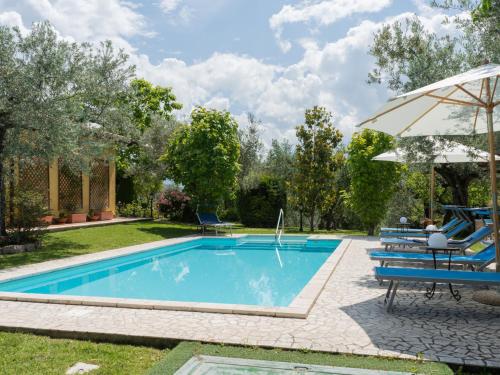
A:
{"x": 38, "y": 355}
{"x": 185, "y": 350}
{"x": 90, "y": 240}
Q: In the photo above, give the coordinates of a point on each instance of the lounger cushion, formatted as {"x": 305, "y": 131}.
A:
{"x": 438, "y": 276}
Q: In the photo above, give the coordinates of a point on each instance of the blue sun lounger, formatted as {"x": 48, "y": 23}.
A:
{"x": 207, "y": 219}
{"x": 477, "y": 261}
{"x": 414, "y": 232}
{"x": 409, "y": 242}
{"x": 396, "y": 275}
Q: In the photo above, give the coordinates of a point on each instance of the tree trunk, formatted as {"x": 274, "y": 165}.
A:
{"x": 301, "y": 220}
{"x": 458, "y": 182}
{"x": 3, "y": 229}
{"x": 151, "y": 200}
{"x": 371, "y": 230}
{"x": 311, "y": 220}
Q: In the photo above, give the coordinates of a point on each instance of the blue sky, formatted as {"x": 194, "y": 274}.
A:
{"x": 272, "y": 58}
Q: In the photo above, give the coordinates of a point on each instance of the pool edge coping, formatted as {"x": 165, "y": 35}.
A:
{"x": 299, "y": 308}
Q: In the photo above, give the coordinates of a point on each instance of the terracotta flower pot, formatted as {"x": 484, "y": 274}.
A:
{"x": 77, "y": 218}
{"x": 61, "y": 220}
{"x": 47, "y": 219}
{"x": 106, "y": 215}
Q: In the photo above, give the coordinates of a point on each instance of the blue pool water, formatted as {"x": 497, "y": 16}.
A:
{"x": 251, "y": 270}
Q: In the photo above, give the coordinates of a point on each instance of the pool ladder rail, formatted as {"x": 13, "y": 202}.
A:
{"x": 280, "y": 231}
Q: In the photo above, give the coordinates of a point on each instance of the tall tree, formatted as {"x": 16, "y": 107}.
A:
{"x": 318, "y": 141}
{"x": 372, "y": 182}
{"x": 203, "y": 156}
{"x": 408, "y": 57}
{"x": 280, "y": 160}
{"x": 57, "y": 99}
{"x": 139, "y": 165}
{"x": 250, "y": 153}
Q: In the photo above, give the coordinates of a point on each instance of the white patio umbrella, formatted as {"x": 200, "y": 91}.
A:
{"x": 462, "y": 104}
{"x": 450, "y": 152}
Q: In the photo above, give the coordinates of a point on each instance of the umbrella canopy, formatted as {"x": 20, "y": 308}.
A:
{"x": 462, "y": 104}
{"x": 452, "y": 152}
{"x": 453, "y": 106}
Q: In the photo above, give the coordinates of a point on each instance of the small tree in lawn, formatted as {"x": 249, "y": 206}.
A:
{"x": 372, "y": 182}
{"x": 318, "y": 141}
{"x": 203, "y": 156}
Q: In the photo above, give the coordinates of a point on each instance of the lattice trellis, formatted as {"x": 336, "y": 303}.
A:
{"x": 70, "y": 187}
{"x": 99, "y": 185}
{"x": 34, "y": 176}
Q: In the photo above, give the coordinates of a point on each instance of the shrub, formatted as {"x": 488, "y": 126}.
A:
{"x": 259, "y": 206}
{"x": 135, "y": 209}
{"x": 26, "y": 225}
{"x": 175, "y": 205}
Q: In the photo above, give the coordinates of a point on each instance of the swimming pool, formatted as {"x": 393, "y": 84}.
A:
{"x": 245, "y": 270}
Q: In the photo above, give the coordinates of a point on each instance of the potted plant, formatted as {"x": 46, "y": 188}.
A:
{"x": 77, "y": 217}
{"x": 63, "y": 217}
{"x": 92, "y": 215}
{"x": 106, "y": 215}
{"x": 49, "y": 218}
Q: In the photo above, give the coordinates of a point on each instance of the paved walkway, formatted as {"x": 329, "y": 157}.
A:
{"x": 100, "y": 223}
{"x": 348, "y": 317}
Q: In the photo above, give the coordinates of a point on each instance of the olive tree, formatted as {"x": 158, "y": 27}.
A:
{"x": 57, "y": 98}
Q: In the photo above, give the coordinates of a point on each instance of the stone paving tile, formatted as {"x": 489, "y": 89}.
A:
{"x": 348, "y": 317}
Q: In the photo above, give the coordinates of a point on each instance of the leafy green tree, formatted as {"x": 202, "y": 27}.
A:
{"x": 280, "y": 160}
{"x": 316, "y": 162}
{"x": 372, "y": 182}
{"x": 408, "y": 57}
{"x": 58, "y": 99}
{"x": 139, "y": 166}
{"x": 203, "y": 156}
{"x": 250, "y": 153}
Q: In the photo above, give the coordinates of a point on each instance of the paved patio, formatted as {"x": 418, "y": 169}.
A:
{"x": 348, "y": 317}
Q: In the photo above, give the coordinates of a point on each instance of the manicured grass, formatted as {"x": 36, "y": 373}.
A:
{"x": 185, "y": 350}
{"x": 38, "y": 355}
{"x": 93, "y": 239}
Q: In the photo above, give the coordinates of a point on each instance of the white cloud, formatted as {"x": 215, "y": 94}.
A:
{"x": 13, "y": 19}
{"x": 331, "y": 74}
{"x": 93, "y": 20}
{"x": 168, "y": 6}
{"x": 177, "y": 12}
{"x": 321, "y": 12}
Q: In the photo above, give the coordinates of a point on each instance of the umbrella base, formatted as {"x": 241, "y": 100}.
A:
{"x": 487, "y": 297}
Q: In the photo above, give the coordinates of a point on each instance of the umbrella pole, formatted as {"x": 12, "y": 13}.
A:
{"x": 493, "y": 173}
{"x": 433, "y": 187}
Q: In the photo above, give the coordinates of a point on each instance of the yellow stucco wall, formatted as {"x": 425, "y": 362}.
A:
{"x": 54, "y": 189}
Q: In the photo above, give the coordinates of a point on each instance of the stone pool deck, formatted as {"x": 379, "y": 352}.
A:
{"x": 348, "y": 317}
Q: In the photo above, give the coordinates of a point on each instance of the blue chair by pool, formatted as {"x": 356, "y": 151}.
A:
{"x": 478, "y": 261}
{"x": 416, "y": 232}
{"x": 210, "y": 219}
{"x": 396, "y": 275}
{"x": 391, "y": 242}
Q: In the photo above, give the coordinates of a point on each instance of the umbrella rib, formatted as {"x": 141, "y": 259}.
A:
{"x": 427, "y": 111}
{"x": 392, "y": 109}
{"x": 418, "y": 118}
{"x": 447, "y": 100}
{"x": 477, "y": 110}
{"x": 471, "y": 95}
{"x": 494, "y": 89}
